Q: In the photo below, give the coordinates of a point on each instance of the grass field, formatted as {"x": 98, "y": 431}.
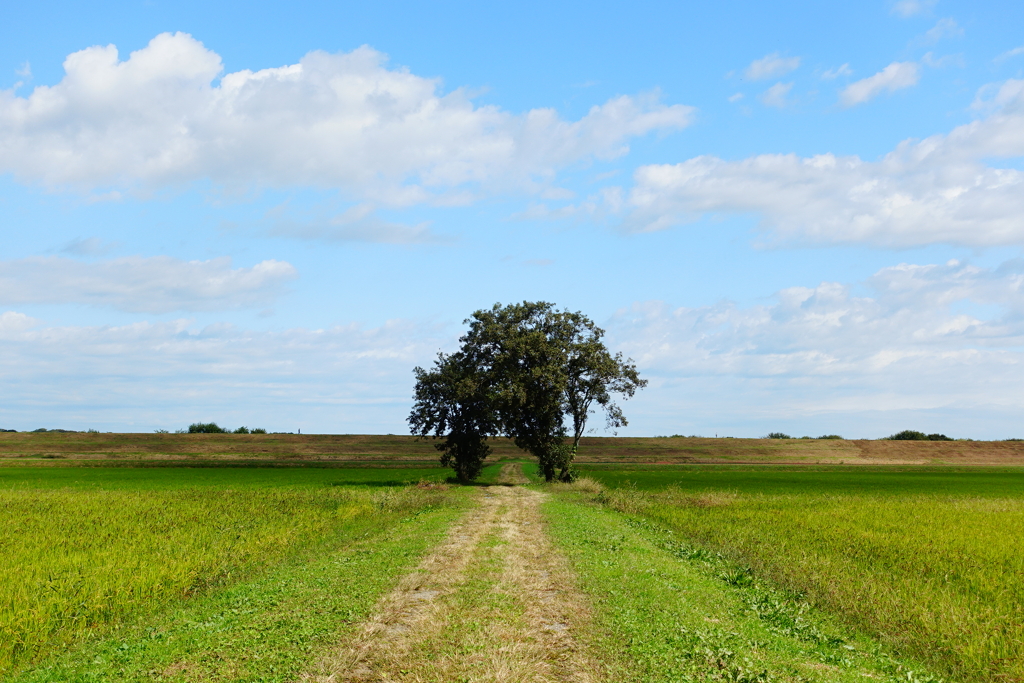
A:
{"x": 660, "y": 572}
{"x": 87, "y": 548}
{"x": 928, "y": 562}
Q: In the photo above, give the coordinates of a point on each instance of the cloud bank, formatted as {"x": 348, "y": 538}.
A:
{"x": 920, "y": 340}
{"x": 159, "y": 284}
{"x": 162, "y": 118}
{"x": 914, "y": 347}
{"x": 937, "y": 190}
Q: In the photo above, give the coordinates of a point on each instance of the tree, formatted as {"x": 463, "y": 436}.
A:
{"x": 452, "y": 403}
{"x": 521, "y": 371}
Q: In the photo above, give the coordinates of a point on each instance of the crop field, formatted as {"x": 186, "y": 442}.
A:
{"x": 388, "y": 571}
{"x": 87, "y": 548}
{"x": 928, "y": 561}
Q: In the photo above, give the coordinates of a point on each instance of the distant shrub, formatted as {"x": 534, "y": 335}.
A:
{"x": 909, "y": 435}
{"x": 258, "y": 430}
{"x": 205, "y": 428}
{"x": 160, "y": 431}
{"x": 11, "y": 430}
{"x": 831, "y": 436}
{"x": 938, "y": 437}
{"x": 14, "y": 430}
{"x": 241, "y": 430}
{"x": 41, "y": 429}
{"x": 806, "y": 437}
{"x": 95, "y": 431}
{"x": 778, "y": 435}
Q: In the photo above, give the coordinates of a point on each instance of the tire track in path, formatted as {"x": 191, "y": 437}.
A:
{"x": 495, "y": 602}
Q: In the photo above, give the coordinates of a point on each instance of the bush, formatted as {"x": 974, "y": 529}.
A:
{"x": 938, "y": 437}
{"x": 909, "y": 435}
{"x": 778, "y": 435}
{"x": 205, "y": 428}
{"x": 258, "y": 430}
{"x": 241, "y": 430}
{"x": 831, "y": 436}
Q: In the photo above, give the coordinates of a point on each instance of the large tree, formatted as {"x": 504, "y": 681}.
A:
{"x": 522, "y": 371}
{"x": 452, "y": 403}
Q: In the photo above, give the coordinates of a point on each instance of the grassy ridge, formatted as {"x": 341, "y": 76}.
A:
{"x": 935, "y": 573}
{"x": 78, "y": 559}
{"x": 396, "y": 450}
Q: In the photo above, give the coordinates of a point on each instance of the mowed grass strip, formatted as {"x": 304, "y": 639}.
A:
{"x": 77, "y": 561}
{"x": 932, "y": 575}
{"x": 666, "y": 612}
{"x": 268, "y": 627}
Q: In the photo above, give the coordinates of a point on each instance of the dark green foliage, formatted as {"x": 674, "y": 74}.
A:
{"x": 521, "y": 371}
{"x": 909, "y": 435}
{"x": 206, "y": 428}
{"x": 778, "y": 435}
{"x": 831, "y": 436}
{"x": 241, "y": 430}
{"x": 453, "y": 403}
{"x": 258, "y": 430}
{"x": 8, "y": 430}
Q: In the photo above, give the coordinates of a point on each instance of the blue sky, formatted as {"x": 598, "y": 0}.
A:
{"x": 795, "y": 217}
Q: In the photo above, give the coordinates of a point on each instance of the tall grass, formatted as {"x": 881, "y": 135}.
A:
{"x": 77, "y": 560}
{"x": 935, "y": 576}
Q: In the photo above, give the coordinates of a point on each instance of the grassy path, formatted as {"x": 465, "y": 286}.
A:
{"x": 494, "y": 602}
{"x": 541, "y": 587}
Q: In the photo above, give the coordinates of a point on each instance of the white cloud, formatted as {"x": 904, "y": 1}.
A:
{"x": 331, "y": 121}
{"x": 771, "y": 66}
{"x": 910, "y": 8}
{"x": 936, "y": 190}
{"x": 775, "y": 96}
{"x": 1010, "y": 53}
{"x": 944, "y": 28}
{"x": 833, "y": 74}
{"x": 896, "y": 76}
{"x": 159, "y": 284}
{"x": 923, "y": 341}
{"x": 822, "y": 355}
{"x": 736, "y": 97}
{"x": 342, "y": 379}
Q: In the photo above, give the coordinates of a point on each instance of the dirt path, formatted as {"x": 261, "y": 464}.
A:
{"x": 494, "y": 602}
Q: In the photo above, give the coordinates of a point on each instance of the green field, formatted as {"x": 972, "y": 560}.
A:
{"x": 89, "y": 548}
{"x": 927, "y": 561}
{"x": 692, "y": 573}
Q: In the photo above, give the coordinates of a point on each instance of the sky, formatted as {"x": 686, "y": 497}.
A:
{"x": 798, "y": 216}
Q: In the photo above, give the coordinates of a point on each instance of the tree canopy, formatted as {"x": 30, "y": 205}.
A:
{"x": 524, "y": 371}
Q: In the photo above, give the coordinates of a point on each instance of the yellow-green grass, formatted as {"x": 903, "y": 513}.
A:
{"x": 934, "y": 575}
{"x": 77, "y": 560}
{"x": 667, "y": 612}
{"x": 268, "y": 627}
